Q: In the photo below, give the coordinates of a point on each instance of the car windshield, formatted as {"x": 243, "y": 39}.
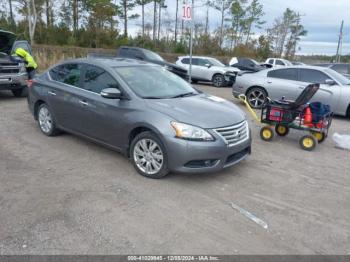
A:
{"x": 153, "y": 56}
{"x": 254, "y": 61}
{"x": 153, "y": 82}
{"x": 338, "y": 77}
{"x": 215, "y": 62}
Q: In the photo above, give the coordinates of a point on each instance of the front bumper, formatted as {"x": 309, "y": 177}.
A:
{"x": 192, "y": 157}
{"x": 13, "y": 81}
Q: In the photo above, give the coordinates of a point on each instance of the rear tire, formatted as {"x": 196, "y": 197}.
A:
{"x": 218, "y": 80}
{"x": 282, "y": 130}
{"x": 256, "y": 97}
{"x": 148, "y": 155}
{"x": 20, "y": 92}
{"x": 46, "y": 121}
{"x": 320, "y": 136}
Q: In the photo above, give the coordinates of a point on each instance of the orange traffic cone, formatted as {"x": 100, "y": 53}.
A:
{"x": 308, "y": 117}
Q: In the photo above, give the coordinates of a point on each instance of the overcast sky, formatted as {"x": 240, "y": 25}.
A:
{"x": 321, "y": 18}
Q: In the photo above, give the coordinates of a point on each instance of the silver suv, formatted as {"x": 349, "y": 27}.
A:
{"x": 209, "y": 69}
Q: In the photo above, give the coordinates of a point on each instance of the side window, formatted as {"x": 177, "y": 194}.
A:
{"x": 185, "y": 61}
{"x": 279, "y": 62}
{"x": 97, "y": 79}
{"x": 67, "y": 73}
{"x": 203, "y": 62}
{"x": 270, "y": 62}
{"x": 340, "y": 68}
{"x": 313, "y": 76}
{"x": 124, "y": 52}
{"x": 195, "y": 61}
{"x": 290, "y": 74}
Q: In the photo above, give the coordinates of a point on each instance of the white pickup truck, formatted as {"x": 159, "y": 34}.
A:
{"x": 277, "y": 62}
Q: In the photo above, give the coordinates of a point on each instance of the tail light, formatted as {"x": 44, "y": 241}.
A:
{"x": 29, "y": 83}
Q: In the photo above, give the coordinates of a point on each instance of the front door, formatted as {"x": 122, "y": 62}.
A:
{"x": 103, "y": 118}
{"x": 326, "y": 92}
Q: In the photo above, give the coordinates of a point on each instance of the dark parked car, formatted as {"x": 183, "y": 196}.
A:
{"x": 246, "y": 64}
{"x": 143, "y": 111}
{"x": 342, "y": 68}
{"x": 13, "y": 74}
{"x": 152, "y": 57}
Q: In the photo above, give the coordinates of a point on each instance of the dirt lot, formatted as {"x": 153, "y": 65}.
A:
{"x": 65, "y": 195}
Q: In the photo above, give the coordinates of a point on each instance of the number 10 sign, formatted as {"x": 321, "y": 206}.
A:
{"x": 186, "y": 12}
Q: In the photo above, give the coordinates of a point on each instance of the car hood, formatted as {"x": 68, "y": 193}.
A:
{"x": 225, "y": 68}
{"x": 203, "y": 110}
{"x": 6, "y": 41}
{"x": 165, "y": 63}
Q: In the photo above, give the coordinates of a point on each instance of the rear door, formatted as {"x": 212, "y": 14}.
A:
{"x": 283, "y": 83}
{"x": 65, "y": 95}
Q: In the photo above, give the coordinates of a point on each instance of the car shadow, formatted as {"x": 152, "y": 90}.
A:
{"x": 7, "y": 95}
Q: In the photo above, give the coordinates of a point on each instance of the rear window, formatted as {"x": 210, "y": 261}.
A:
{"x": 185, "y": 61}
{"x": 290, "y": 74}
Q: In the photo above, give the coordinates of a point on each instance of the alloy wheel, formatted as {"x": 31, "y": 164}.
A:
{"x": 218, "y": 81}
{"x": 256, "y": 98}
{"x": 45, "y": 120}
{"x": 148, "y": 156}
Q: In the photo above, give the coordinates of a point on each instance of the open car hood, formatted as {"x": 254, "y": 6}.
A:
{"x": 6, "y": 41}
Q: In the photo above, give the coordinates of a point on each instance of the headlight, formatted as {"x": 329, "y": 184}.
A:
{"x": 189, "y": 132}
{"x": 22, "y": 68}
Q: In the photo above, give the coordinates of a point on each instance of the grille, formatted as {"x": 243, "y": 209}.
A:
{"x": 235, "y": 134}
{"x": 9, "y": 70}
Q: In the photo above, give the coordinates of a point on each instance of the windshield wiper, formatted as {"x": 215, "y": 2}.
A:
{"x": 184, "y": 95}
{"x": 153, "y": 97}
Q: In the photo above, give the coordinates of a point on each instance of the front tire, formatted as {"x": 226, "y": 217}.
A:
{"x": 219, "y": 80}
{"x": 256, "y": 97}
{"x": 308, "y": 142}
{"x": 46, "y": 121}
{"x": 148, "y": 156}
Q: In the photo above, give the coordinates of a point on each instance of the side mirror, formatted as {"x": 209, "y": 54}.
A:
{"x": 208, "y": 65}
{"x": 111, "y": 93}
{"x": 330, "y": 82}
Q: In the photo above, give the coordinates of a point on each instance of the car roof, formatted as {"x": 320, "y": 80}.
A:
{"x": 110, "y": 62}
{"x": 299, "y": 67}
{"x": 204, "y": 57}
{"x": 134, "y": 47}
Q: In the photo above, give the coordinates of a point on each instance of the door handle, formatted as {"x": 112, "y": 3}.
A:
{"x": 269, "y": 82}
{"x": 84, "y": 103}
{"x": 52, "y": 93}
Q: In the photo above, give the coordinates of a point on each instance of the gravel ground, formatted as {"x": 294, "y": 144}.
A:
{"x": 64, "y": 195}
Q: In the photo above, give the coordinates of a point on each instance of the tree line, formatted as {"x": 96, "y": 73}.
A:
{"x": 242, "y": 30}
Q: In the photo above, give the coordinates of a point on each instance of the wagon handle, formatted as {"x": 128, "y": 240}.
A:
{"x": 243, "y": 98}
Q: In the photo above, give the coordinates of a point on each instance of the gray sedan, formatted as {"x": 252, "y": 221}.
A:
{"x": 288, "y": 83}
{"x": 151, "y": 115}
